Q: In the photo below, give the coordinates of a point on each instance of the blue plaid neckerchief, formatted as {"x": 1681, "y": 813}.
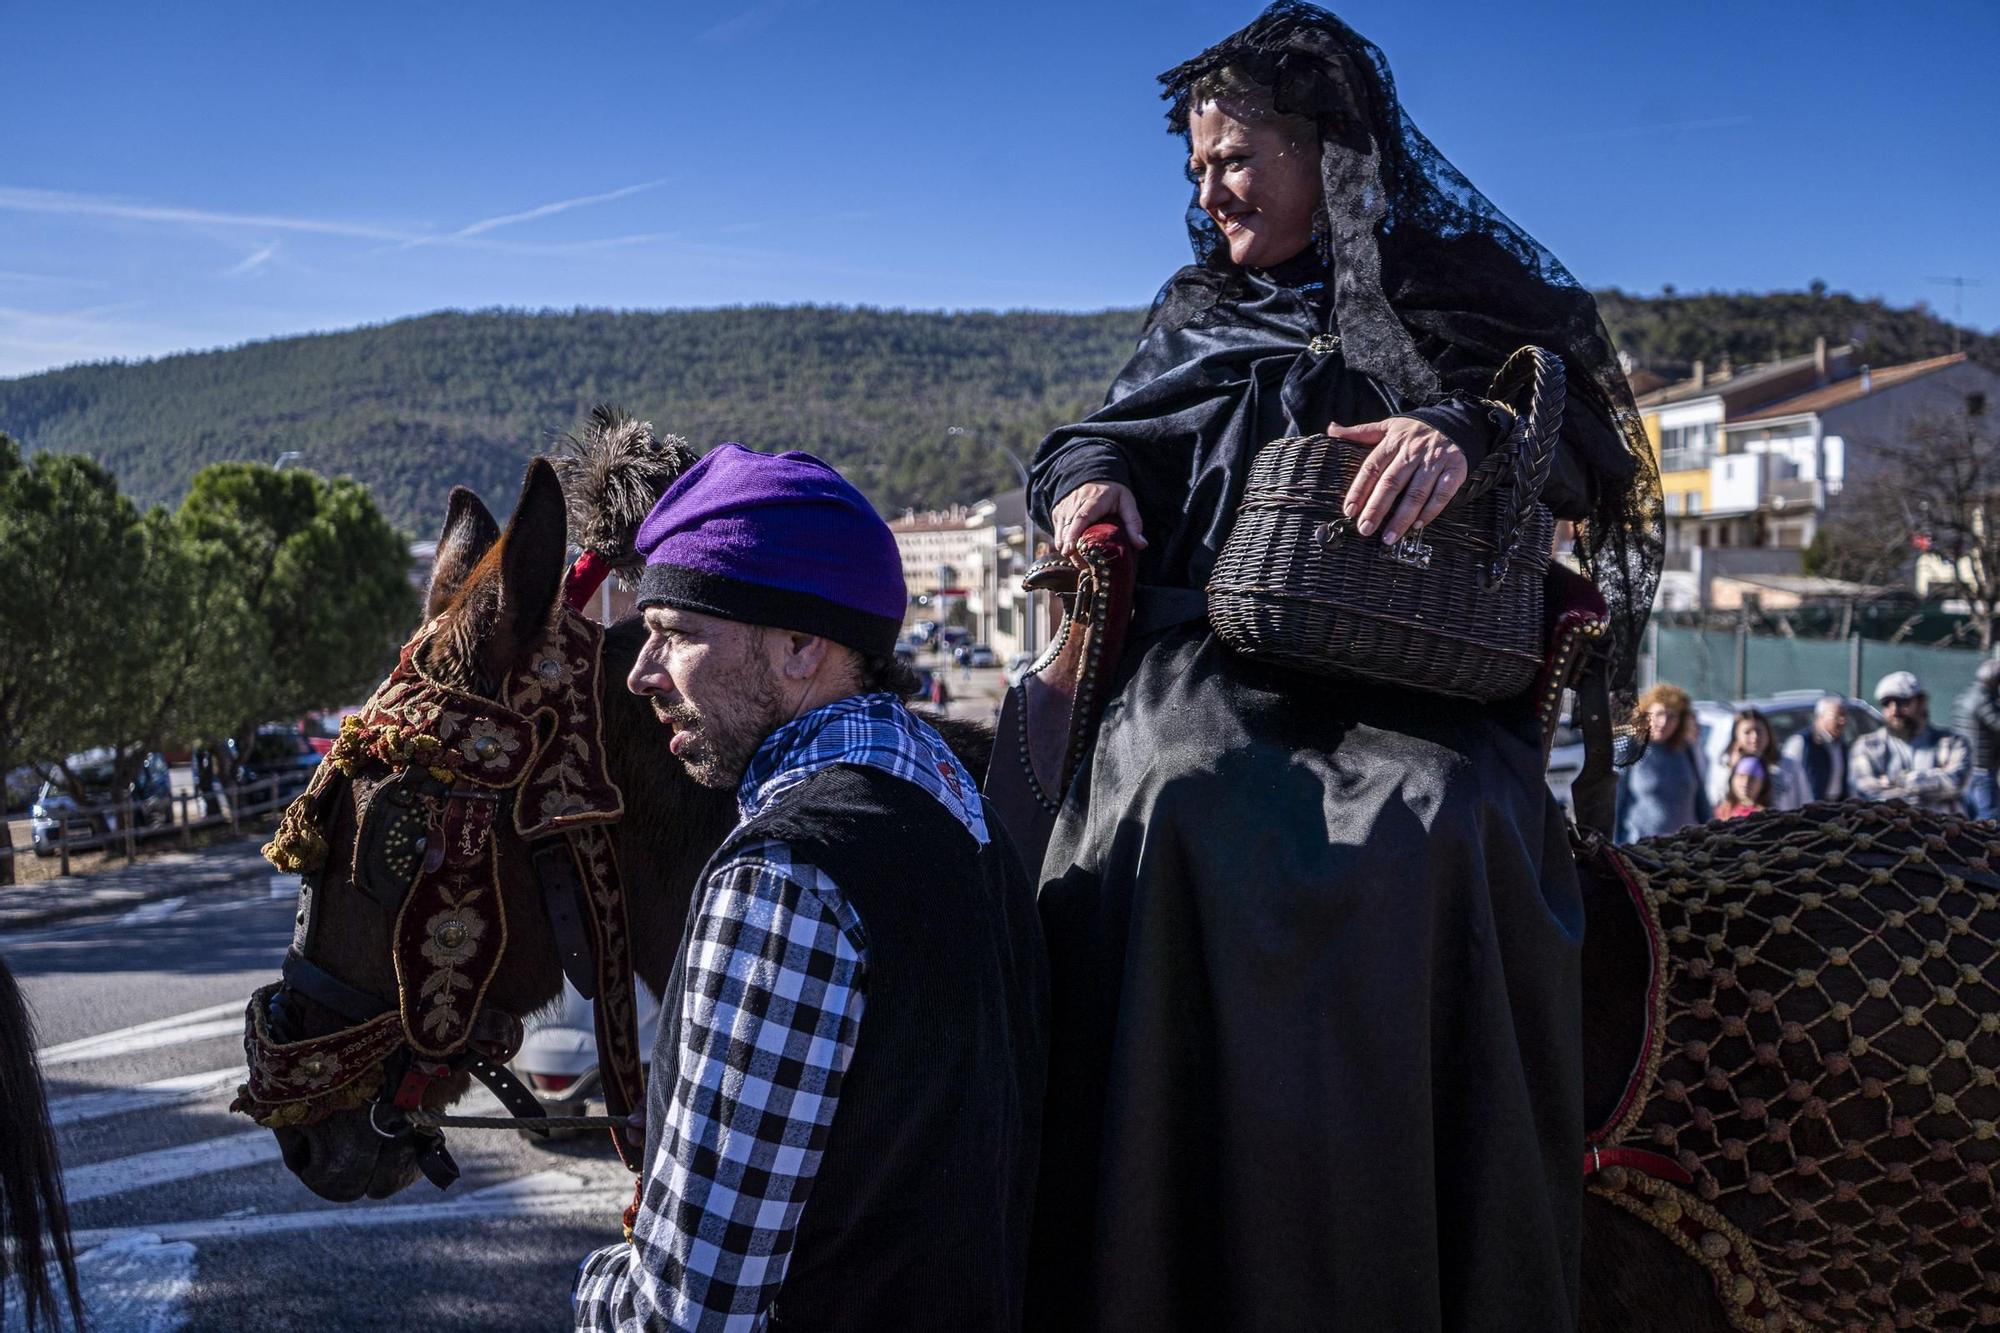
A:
{"x": 871, "y": 731}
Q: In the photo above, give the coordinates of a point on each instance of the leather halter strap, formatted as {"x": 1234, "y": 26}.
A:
{"x": 330, "y": 992}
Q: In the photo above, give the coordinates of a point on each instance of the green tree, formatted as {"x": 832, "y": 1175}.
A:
{"x": 67, "y": 548}
{"x": 314, "y": 594}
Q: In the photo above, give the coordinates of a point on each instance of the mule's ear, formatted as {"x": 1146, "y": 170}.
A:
{"x": 469, "y": 532}
{"x": 533, "y": 558}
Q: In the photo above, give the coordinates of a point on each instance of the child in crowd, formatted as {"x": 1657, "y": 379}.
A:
{"x": 1749, "y": 789}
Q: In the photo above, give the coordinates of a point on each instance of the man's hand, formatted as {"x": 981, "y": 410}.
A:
{"x": 1093, "y": 502}
{"x": 1410, "y": 462}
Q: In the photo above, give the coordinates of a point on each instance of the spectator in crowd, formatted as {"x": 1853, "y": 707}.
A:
{"x": 1750, "y": 737}
{"x": 1977, "y": 718}
{"x": 1749, "y": 789}
{"x": 207, "y": 774}
{"x": 1663, "y": 790}
{"x": 1909, "y": 759}
{"x": 1815, "y": 760}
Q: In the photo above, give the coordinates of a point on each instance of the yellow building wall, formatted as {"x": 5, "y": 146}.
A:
{"x": 1693, "y": 481}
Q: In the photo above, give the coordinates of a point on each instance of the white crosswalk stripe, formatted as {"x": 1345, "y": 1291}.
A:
{"x": 124, "y": 1175}
{"x": 174, "y": 1030}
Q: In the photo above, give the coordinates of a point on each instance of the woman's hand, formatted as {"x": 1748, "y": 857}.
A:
{"x": 1093, "y": 502}
{"x": 1410, "y": 460}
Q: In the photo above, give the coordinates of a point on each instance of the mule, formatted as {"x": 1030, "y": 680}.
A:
{"x": 34, "y": 1219}
{"x": 491, "y": 599}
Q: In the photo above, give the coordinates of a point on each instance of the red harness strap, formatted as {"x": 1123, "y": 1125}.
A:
{"x": 1653, "y": 1164}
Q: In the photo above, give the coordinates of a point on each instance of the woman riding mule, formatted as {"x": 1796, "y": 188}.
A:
{"x": 1314, "y": 944}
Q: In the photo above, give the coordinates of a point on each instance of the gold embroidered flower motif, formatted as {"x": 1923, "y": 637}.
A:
{"x": 558, "y": 802}
{"x": 452, "y": 937}
{"x": 485, "y": 743}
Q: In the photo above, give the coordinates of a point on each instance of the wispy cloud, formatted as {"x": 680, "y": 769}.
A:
{"x": 46, "y": 279}
{"x": 747, "y": 24}
{"x": 253, "y": 261}
{"x": 484, "y": 225}
{"x": 62, "y": 204}
{"x": 32, "y": 340}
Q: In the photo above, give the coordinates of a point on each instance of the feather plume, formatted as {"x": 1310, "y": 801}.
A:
{"x": 613, "y": 471}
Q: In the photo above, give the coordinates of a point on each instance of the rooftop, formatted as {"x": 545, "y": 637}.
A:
{"x": 1750, "y": 386}
{"x": 1840, "y": 392}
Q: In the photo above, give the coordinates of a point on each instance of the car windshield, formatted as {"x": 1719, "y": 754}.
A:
{"x": 94, "y": 781}
{"x": 272, "y": 746}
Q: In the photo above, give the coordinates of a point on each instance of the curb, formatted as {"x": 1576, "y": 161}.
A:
{"x": 169, "y": 881}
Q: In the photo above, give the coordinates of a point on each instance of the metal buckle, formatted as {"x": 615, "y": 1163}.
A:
{"x": 1413, "y": 550}
{"x": 1322, "y": 343}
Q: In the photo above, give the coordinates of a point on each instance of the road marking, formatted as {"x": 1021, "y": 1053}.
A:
{"x": 131, "y": 1284}
{"x": 174, "y": 1030}
{"x": 554, "y": 1193}
{"x": 157, "y": 910}
{"x": 124, "y": 1175}
{"x": 166, "y": 1092}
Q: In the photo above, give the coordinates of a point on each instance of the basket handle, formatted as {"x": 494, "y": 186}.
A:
{"x": 1527, "y": 453}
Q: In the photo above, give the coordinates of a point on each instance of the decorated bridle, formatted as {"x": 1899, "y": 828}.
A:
{"x": 427, "y": 853}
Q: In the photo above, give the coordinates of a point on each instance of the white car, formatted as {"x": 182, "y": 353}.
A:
{"x": 558, "y": 1056}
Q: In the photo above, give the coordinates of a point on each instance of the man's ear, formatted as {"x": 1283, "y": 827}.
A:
{"x": 803, "y": 656}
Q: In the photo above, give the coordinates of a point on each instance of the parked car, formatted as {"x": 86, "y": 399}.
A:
{"x": 979, "y": 655}
{"x": 558, "y": 1055}
{"x": 56, "y": 807}
{"x": 322, "y": 729}
{"x": 1789, "y": 712}
{"x": 281, "y": 751}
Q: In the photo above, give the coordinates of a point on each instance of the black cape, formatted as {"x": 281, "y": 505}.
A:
{"x": 1314, "y": 945}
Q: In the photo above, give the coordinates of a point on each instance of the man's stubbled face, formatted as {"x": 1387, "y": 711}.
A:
{"x": 713, "y": 682}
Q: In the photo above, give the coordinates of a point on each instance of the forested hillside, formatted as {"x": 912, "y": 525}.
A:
{"x": 414, "y": 407}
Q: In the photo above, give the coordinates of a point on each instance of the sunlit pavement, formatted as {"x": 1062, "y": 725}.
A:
{"x": 185, "y": 1218}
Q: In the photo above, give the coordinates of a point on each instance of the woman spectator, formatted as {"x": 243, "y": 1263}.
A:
{"x": 1750, "y": 738}
{"x": 1749, "y": 789}
{"x": 1662, "y": 791}
{"x": 1315, "y": 943}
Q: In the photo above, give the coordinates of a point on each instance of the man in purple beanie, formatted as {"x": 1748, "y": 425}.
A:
{"x": 844, "y": 1116}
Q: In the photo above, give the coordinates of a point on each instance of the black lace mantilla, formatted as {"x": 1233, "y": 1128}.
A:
{"x": 1433, "y": 287}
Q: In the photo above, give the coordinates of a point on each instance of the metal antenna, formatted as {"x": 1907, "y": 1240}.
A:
{"x": 1958, "y": 286}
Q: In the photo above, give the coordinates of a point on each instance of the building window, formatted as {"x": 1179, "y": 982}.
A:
{"x": 1694, "y": 503}
{"x": 1684, "y": 448}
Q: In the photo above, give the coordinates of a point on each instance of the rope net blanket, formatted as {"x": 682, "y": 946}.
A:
{"x": 1824, "y": 1063}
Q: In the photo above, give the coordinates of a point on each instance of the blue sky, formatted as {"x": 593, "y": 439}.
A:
{"x": 201, "y": 174}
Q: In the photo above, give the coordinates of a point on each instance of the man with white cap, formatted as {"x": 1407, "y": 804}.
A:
{"x": 1909, "y": 759}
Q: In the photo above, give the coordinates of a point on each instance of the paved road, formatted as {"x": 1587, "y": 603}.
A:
{"x": 184, "y": 1214}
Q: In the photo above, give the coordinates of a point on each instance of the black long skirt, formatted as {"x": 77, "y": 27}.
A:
{"x": 1317, "y": 1013}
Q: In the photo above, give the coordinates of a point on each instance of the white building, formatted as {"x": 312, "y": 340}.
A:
{"x": 972, "y": 557}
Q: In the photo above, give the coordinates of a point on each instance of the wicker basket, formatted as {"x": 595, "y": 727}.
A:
{"x": 1453, "y": 608}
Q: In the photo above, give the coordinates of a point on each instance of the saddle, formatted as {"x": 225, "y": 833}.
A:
{"x": 1048, "y": 721}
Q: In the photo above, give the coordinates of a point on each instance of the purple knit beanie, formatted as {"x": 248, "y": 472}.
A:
{"x": 775, "y": 539}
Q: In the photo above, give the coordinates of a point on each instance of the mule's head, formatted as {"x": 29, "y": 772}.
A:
{"x": 416, "y": 860}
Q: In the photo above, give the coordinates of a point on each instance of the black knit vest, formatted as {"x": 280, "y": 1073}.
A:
{"x": 918, "y": 1217}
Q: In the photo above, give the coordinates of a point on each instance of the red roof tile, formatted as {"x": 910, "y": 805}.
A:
{"x": 1841, "y": 392}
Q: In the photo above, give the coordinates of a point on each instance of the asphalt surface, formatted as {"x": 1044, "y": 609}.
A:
{"x": 184, "y": 1216}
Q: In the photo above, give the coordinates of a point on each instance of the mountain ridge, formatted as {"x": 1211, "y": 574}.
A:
{"x": 412, "y": 406}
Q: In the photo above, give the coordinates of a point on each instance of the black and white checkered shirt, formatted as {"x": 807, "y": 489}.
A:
{"x": 774, "y": 989}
